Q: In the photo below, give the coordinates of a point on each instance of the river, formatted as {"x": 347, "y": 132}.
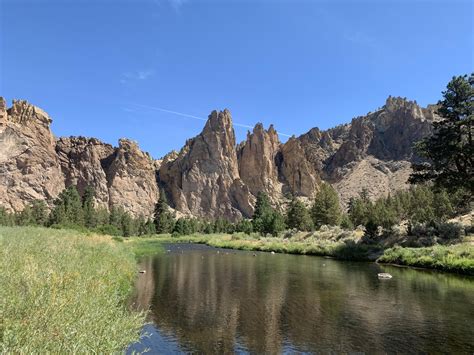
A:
{"x": 207, "y": 300}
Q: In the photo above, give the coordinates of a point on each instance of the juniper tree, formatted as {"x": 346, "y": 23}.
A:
{"x": 90, "y": 215}
{"x": 326, "y": 208}
{"x": 449, "y": 152}
{"x": 298, "y": 216}
{"x": 164, "y": 220}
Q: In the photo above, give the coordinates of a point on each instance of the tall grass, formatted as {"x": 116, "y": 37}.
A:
{"x": 346, "y": 250}
{"x": 454, "y": 258}
{"x": 64, "y": 292}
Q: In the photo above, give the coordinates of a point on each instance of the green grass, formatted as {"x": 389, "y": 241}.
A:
{"x": 65, "y": 292}
{"x": 454, "y": 258}
{"x": 347, "y": 250}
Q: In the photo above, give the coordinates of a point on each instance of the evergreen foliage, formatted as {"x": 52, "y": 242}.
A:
{"x": 67, "y": 209}
{"x": 449, "y": 152}
{"x": 90, "y": 217}
{"x": 298, "y": 216}
{"x": 267, "y": 220}
{"x": 326, "y": 209}
{"x": 164, "y": 220}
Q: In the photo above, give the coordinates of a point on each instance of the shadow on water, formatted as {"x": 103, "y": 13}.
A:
{"x": 219, "y": 301}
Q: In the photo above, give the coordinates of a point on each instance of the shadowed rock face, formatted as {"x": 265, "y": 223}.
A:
{"x": 211, "y": 176}
{"x": 84, "y": 163}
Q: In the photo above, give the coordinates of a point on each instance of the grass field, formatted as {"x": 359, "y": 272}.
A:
{"x": 65, "y": 292}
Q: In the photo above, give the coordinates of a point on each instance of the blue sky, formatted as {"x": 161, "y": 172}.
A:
{"x": 100, "y": 68}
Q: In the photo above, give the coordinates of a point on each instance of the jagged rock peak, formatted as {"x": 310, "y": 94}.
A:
{"x": 3, "y": 112}
{"x": 257, "y": 161}
{"x": 221, "y": 120}
{"x": 22, "y": 112}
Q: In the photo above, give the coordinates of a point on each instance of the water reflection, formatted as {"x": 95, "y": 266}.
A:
{"x": 210, "y": 302}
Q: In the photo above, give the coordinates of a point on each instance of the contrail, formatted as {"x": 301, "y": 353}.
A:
{"x": 195, "y": 117}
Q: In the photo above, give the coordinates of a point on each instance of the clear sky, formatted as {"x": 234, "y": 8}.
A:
{"x": 99, "y": 68}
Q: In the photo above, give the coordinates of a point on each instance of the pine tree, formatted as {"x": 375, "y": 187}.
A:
{"x": 298, "y": 216}
{"x": 39, "y": 212}
{"x": 346, "y": 222}
{"x": 442, "y": 206}
{"x": 449, "y": 152}
{"x": 244, "y": 226}
{"x": 25, "y": 217}
{"x": 421, "y": 204}
{"x": 358, "y": 211}
{"x": 68, "y": 208}
{"x": 90, "y": 215}
{"x": 126, "y": 224}
{"x": 326, "y": 209}
{"x": 182, "y": 227}
{"x": 164, "y": 220}
{"x": 6, "y": 218}
{"x": 277, "y": 224}
{"x": 263, "y": 215}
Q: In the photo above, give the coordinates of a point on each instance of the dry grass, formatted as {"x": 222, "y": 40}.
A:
{"x": 64, "y": 292}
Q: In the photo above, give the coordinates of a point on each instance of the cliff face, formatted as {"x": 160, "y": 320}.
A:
{"x": 203, "y": 180}
{"x": 36, "y": 166}
{"x": 211, "y": 176}
{"x": 257, "y": 162}
{"x": 29, "y": 166}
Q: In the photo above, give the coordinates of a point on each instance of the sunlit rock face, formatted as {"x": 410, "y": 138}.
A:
{"x": 212, "y": 176}
{"x": 376, "y": 151}
{"x": 257, "y": 162}
{"x": 203, "y": 179}
{"x": 29, "y": 165}
{"x": 131, "y": 178}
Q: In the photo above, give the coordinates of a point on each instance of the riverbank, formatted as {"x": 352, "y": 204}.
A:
{"x": 457, "y": 258}
{"x": 65, "y": 292}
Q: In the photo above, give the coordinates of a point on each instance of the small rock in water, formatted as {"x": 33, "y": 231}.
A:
{"x": 384, "y": 275}
{"x": 254, "y": 254}
{"x": 273, "y": 252}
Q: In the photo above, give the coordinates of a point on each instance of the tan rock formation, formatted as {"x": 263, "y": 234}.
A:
{"x": 257, "y": 162}
{"x": 298, "y": 174}
{"x": 84, "y": 162}
{"x": 204, "y": 179}
{"x": 132, "y": 179}
{"x": 211, "y": 176}
{"x": 29, "y": 166}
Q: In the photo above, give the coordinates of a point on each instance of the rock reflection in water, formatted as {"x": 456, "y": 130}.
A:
{"x": 232, "y": 301}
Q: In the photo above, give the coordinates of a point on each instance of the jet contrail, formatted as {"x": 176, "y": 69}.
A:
{"x": 195, "y": 117}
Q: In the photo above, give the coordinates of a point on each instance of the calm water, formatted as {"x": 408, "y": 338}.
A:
{"x": 209, "y": 301}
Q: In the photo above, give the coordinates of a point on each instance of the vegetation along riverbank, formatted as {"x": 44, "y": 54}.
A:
{"x": 336, "y": 243}
{"x": 65, "y": 292}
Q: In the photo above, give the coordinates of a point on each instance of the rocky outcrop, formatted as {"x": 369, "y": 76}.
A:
{"x": 203, "y": 179}
{"x": 211, "y": 176}
{"x": 131, "y": 179}
{"x": 36, "y": 166}
{"x": 376, "y": 154}
{"x": 257, "y": 162}
{"x": 84, "y": 162}
{"x": 298, "y": 174}
{"x": 29, "y": 166}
